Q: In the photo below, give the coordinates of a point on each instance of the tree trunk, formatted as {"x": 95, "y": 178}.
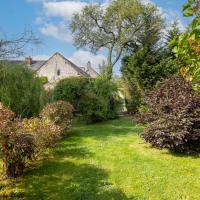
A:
{"x": 109, "y": 68}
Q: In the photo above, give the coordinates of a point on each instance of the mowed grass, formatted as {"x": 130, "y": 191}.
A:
{"x": 108, "y": 161}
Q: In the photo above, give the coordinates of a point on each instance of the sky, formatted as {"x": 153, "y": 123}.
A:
{"x": 50, "y": 19}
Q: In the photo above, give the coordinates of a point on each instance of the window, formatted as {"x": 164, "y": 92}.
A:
{"x": 58, "y": 72}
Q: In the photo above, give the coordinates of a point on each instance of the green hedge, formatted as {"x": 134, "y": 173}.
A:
{"x": 95, "y": 99}
{"x": 21, "y": 90}
{"x": 71, "y": 90}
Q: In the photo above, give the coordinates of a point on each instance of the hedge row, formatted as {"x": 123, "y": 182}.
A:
{"x": 22, "y": 141}
{"x": 95, "y": 99}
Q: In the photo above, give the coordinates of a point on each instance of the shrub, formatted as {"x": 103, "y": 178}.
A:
{"x": 59, "y": 113}
{"x": 94, "y": 99}
{"x": 24, "y": 140}
{"x": 143, "y": 116}
{"x": 45, "y": 134}
{"x": 20, "y": 90}
{"x": 175, "y": 110}
{"x": 16, "y": 147}
{"x": 99, "y": 101}
{"x": 92, "y": 107}
{"x": 71, "y": 90}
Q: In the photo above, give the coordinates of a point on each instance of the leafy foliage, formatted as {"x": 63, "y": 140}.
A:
{"x": 16, "y": 146}
{"x": 58, "y": 113}
{"x": 148, "y": 62}
{"x": 94, "y": 99}
{"x": 22, "y": 141}
{"x": 45, "y": 134}
{"x": 145, "y": 69}
{"x": 187, "y": 46}
{"x": 174, "y": 109}
{"x": 99, "y": 101}
{"x": 71, "y": 90}
{"x": 115, "y": 28}
{"x": 21, "y": 90}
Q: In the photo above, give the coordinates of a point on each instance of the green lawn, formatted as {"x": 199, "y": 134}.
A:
{"x": 108, "y": 161}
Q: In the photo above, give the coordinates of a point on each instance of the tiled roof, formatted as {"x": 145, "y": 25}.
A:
{"x": 37, "y": 64}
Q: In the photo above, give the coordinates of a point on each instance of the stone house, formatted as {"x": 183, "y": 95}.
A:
{"x": 57, "y": 67}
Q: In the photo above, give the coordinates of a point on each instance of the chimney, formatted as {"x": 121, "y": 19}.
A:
{"x": 89, "y": 65}
{"x": 28, "y": 61}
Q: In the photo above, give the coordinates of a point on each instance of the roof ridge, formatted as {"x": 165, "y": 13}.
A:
{"x": 73, "y": 65}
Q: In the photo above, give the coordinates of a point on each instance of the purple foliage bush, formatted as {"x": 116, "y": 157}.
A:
{"x": 174, "y": 110}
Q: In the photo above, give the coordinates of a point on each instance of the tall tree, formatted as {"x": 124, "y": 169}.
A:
{"x": 116, "y": 28}
{"x": 149, "y": 63}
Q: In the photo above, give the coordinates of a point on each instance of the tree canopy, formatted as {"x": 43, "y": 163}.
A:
{"x": 117, "y": 27}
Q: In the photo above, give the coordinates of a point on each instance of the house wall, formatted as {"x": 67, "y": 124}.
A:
{"x": 51, "y": 67}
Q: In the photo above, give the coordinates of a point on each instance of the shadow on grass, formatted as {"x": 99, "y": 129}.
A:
{"x": 172, "y": 153}
{"x": 181, "y": 155}
{"x": 65, "y": 150}
{"x": 64, "y": 180}
{"x": 60, "y": 179}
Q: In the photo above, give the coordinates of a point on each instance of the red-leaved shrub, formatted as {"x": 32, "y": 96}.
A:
{"x": 175, "y": 112}
{"x": 45, "y": 134}
{"x": 16, "y": 146}
{"x": 21, "y": 141}
{"x": 60, "y": 113}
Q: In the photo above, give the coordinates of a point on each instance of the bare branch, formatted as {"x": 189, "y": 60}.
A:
{"x": 13, "y": 48}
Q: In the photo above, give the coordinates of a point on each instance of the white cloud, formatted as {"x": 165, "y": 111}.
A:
{"x": 172, "y": 15}
{"x": 59, "y": 32}
{"x": 63, "y": 9}
{"x": 169, "y": 15}
{"x": 147, "y": 2}
{"x": 81, "y": 58}
{"x": 40, "y": 20}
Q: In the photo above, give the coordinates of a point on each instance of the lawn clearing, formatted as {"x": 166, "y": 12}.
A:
{"x": 108, "y": 161}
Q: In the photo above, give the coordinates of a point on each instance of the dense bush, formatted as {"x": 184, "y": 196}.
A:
{"x": 20, "y": 90}
{"x": 21, "y": 141}
{"x": 94, "y": 99}
{"x": 71, "y": 90}
{"x": 99, "y": 101}
{"x": 92, "y": 107}
{"x": 59, "y": 113}
{"x": 45, "y": 134}
{"x": 16, "y": 147}
{"x": 175, "y": 111}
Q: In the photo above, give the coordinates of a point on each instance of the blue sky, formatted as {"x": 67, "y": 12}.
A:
{"x": 49, "y": 21}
